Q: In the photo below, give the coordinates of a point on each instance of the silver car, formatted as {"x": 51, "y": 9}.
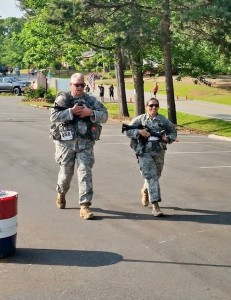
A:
{"x": 13, "y": 85}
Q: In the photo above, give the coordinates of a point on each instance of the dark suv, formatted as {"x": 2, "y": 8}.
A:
{"x": 13, "y": 85}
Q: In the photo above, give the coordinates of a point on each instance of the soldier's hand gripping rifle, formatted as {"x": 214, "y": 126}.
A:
{"x": 143, "y": 140}
{"x": 157, "y": 134}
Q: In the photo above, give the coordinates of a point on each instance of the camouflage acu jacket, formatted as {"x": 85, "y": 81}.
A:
{"x": 73, "y": 132}
{"x": 157, "y": 124}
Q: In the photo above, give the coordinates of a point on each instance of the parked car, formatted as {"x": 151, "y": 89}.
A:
{"x": 13, "y": 85}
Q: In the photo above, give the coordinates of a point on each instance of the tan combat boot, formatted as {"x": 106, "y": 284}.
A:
{"x": 156, "y": 210}
{"x": 60, "y": 201}
{"x": 144, "y": 197}
{"x": 85, "y": 212}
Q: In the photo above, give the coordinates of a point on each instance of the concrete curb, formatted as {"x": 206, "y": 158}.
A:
{"x": 218, "y": 137}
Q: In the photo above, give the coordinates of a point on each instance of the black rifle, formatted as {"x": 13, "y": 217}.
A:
{"x": 80, "y": 103}
{"x": 143, "y": 140}
{"x": 158, "y": 134}
{"x": 57, "y": 107}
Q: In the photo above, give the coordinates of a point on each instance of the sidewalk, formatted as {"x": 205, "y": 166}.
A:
{"x": 194, "y": 107}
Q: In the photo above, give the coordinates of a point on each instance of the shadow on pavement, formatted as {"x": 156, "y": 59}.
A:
{"x": 190, "y": 215}
{"x": 81, "y": 258}
{"x": 114, "y": 214}
{"x": 58, "y": 257}
{"x": 200, "y": 216}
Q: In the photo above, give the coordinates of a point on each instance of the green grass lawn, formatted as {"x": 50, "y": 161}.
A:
{"x": 193, "y": 91}
{"x": 215, "y": 94}
{"x": 185, "y": 121}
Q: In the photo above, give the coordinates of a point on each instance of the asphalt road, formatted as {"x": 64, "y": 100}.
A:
{"x": 125, "y": 253}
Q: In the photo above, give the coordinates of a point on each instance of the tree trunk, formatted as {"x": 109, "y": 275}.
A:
{"x": 168, "y": 63}
{"x": 137, "y": 73}
{"x": 122, "y": 100}
{"x": 136, "y": 58}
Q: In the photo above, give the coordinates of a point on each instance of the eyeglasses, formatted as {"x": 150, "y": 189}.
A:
{"x": 79, "y": 85}
{"x": 153, "y": 105}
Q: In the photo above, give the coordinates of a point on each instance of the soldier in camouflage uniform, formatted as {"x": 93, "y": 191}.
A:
{"x": 151, "y": 152}
{"x": 75, "y": 127}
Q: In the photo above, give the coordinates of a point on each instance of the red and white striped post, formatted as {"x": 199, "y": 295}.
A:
{"x": 8, "y": 223}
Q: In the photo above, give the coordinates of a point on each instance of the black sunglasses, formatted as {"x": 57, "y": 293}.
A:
{"x": 79, "y": 85}
{"x": 153, "y": 105}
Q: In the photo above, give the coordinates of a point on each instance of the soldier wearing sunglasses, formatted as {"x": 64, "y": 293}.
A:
{"x": 151, "y": 155}
{"x": 76, "y": 120}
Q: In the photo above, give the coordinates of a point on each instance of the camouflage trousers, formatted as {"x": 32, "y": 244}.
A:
{"x": 151, "y": 166}
{"x": 84, "y": 161}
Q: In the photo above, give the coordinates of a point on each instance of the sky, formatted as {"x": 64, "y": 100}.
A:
{"x": 8, "y": 9}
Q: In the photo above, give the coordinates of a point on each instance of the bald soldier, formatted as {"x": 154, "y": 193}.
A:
{"x": 76, "y": 120}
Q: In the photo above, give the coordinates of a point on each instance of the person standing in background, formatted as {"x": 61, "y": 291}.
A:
{"x": 87, "y": 89}
{"x": 101, "y": 92}
{"x": 111, "y": 92}
{"x": 155, "y": 89}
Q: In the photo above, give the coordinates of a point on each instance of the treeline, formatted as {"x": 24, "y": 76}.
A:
{"x": 192, "y": 35}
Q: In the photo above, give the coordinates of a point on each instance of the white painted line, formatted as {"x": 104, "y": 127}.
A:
{"x": 218, "y": 142}
{"x": 175, "y": 152}
{"x": 215, "y": 167}
{"x": 217, "y": 137}
{"x": 199, "y": 152}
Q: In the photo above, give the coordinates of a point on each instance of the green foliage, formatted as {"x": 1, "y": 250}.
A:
{"x": 99, "y": 69}
{"x": 52, "y": 91}
{"x": 35, "y": 93}
{"x": 38, "y": 39}
{"x": 197, "y": 59}
{"x": 57, "y": 65}
{"x": 11, "y": 49}
{"x": 29, "y": 93}
{"x": 40, "y": 92}
{"x": 112, "y": 74}
{"x": 49, "y": 96}
{"x": 204, "y": 21}
{"x": 55, "y": 31}
{"x": 32, "y": 6}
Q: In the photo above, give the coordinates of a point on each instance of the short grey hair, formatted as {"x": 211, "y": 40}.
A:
{"x": 76, "y": 76}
